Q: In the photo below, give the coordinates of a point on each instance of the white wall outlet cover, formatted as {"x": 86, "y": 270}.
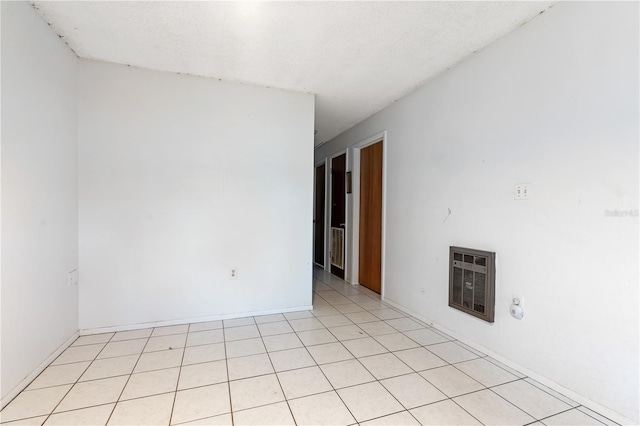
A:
{"x": 233, "y": 273}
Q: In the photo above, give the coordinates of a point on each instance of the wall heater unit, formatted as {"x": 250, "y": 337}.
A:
{"x": 472, "y": 282}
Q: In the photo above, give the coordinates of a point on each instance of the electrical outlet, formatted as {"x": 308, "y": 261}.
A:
{"x": 233, "y": 273}
{"x": 522, "y": 191}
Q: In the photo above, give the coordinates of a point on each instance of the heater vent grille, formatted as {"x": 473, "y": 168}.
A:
{"x": 472, "y": 282}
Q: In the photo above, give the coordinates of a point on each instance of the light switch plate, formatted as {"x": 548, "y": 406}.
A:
{"x": 522, "y": 191}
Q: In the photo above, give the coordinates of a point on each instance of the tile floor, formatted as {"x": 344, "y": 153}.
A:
{"x": 351, "y": 360}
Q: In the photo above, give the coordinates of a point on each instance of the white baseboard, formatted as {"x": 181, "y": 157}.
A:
{"x": 127, "y": 327}
{"x": 580, "y": 399}
{"x": 6, "y": 399}
{"x": 35, "y": 373}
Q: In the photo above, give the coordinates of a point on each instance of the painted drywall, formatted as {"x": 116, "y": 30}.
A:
{"x": 181, "y": 179}
{"x": 39, "y": 193}
{"x": 555, "y": 104}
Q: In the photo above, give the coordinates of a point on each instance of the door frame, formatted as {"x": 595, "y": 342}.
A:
{"x": 355, "y": 248}
{"x": 325, "y": 255}
{"x": 328, "y": 205}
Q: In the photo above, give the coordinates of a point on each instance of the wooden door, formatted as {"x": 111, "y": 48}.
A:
{"x": 338, "y": 214}
{"x": 370, "y": 244}
{"x": 318, "y": 217}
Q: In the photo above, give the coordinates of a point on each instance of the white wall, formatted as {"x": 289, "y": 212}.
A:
{"x": 554, "y": 103}
{"x": 182, "y": 178}
{"x": 39, "y": 193}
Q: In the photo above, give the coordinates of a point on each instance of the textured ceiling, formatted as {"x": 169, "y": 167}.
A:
{"x": 356, "y": 57}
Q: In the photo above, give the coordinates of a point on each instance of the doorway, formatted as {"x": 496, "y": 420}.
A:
{"x": 338, "y": 214}
{"x": 318, "y": 217}
{"x": 370, "y": 218}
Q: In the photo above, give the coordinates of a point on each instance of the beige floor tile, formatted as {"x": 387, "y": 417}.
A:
{"x": 324, "y": 311}
{"x": 364, "y": 347}
{"x": 95, "y": 392}
{"x": 363, "y": 298}
{"x": 263, "y": 319}
{"x": 273, "y": 414}
{"x": 420, "y": 359}
{"x": 412, "y": 390}
{"x": 303, "y": 382}
{"x": 204, "y": 353}
{"x": 34, "y": 403}
{"x": 298, "y": 315}
{"x": 33, "y": 421}
{"x": 396, "y": 342}
{"x": 110, "y": 367}
{"x": 245, "y": 347}
{"x": 530, "y": 399}
{"x": 572, "y": 417}
{"x": 282, "y": 342}
{"x": 451, "y": 381}
{"x": 348, "y": 332}
{"x": 404, "y": 324}
{"x": 255, "y": 392}
{"x": 334, "y": 320}
{"x": 337, "y": 300}
{"x": 132, "y": 334}
{"x": 316, "y": 337}
{"x": 387, "y": 314}
{"x": 85, "y": 416}
{"x": 598, "y": 417}
{"x": 273, "y": 328}
{"x": 249, "y": 366}
{"x": 539, "y": 385}
{"x": 206, "y": 337}
{"x": 165, "y": 343}
{"x": 349, "y": 308}
{"x": 159, "y": 360}
{"x": 329, "y": 352}
{"x": 238, "y": 322}
{"x": 79, "y": 353}
{"x": 291, "y": 359}
{"x": 221, "y": 420}
{"x": 346, "y": 373}
{"x": 122, "y": 348}
{"x": 206, "y": 325}
{"x": 199, "y": 403}
{"x": 404, "y": 418}
{"x": 377, "y": 328}
{"x": 443, "y": 413}
{"x": 151, "y": 383}
{"x": 57, "y": 375}
{"x": 151, "y": 410}
{"x": 425, "y": 336}
{"x": 369, "y": 401}
{"x": 321, "y": 409}
{"x": 491, "y": 409}
{"x": 451, "y": 352}
{"x": 485, "y": 372}
{"x": 361, "y": 317}
{"x": 207, "y": 373}
{"x": 172, "y": 329}
{"x": 93, "y": 339}
{"x": 385, "y": 365}
{"x": 305, "y": 324}
{"x": 241, "y": 332}
{"x": 467, "y": 347}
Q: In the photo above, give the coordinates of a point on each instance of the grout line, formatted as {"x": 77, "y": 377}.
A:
{"x": 286, "y": 400}
{"x": 127, "y": 382}
{"x": 74, "y": 383}
{"x": 339, "y": 293}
